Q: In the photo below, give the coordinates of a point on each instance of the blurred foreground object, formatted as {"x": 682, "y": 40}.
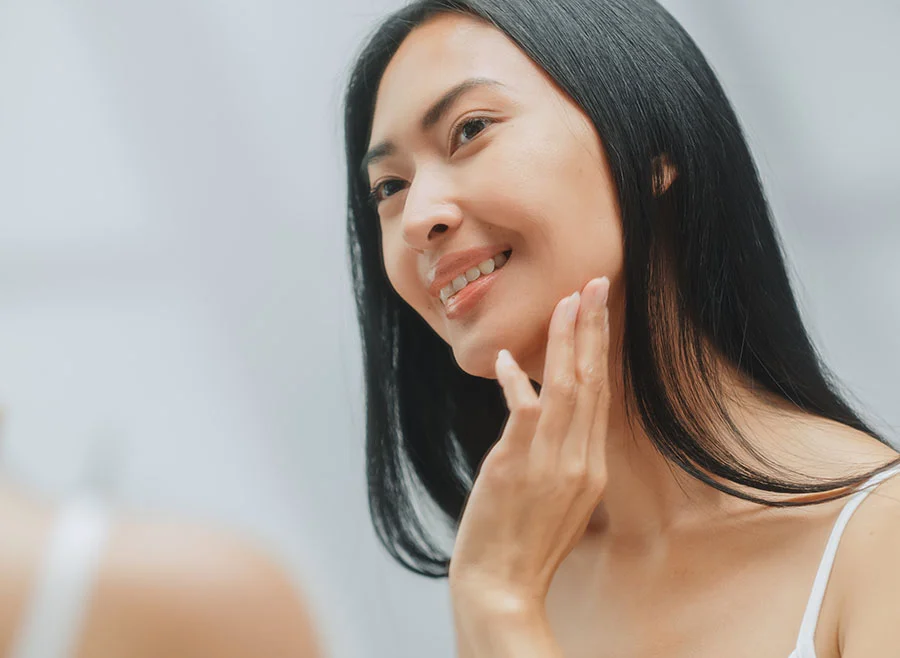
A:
{"x": 76, "y": 582}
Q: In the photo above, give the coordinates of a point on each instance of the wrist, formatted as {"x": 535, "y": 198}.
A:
{"x": 503, "y": 627}
{"x": 500, "y": 610}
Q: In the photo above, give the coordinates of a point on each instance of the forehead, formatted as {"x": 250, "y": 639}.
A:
{"x": 440, "y": 53}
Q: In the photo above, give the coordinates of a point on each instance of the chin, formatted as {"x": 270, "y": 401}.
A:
{"x": 479, "y": 363}
{"x": 476, "y": 354}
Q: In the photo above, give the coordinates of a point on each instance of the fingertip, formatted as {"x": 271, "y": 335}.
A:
{"x": 504, "y": 362}
{"x": 604, "y": 283}
{"x": 572, "y": 305}
{"x": 601, "y": 290}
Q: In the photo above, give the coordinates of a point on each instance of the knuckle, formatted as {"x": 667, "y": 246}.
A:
{"x": 596, "y": 482}
{"x": 576, "y": 475}
{"x": 529, "y": 410}
{"x": 590, "y": 375}
{"x": 564, "y": 388}
{"x": 499, "y": 469}
{"x": 596, "y": 316}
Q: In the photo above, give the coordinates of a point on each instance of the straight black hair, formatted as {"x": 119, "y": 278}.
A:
{"x": 705, "y": 278}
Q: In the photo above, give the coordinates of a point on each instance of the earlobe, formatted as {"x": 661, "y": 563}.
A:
{"x": 664, "y": 174}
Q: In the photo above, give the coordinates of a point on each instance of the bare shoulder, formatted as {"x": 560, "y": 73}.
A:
{"x": 866, "y": 576}
{"x": 178, "y": 589}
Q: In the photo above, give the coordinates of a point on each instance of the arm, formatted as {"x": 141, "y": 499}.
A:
{"x": 867, "y": 576}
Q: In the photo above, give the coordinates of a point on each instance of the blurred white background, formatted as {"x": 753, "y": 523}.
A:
{"x": 175, "y": 310}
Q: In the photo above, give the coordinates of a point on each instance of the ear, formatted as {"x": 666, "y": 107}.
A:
{"x": 664, "y": 174}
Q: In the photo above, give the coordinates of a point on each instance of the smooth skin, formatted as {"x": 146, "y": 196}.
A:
{"x": 580, "y": 540}
{"x": 551, "y": 451}
{"x": 528, "y": 523}
{"x": 163, "y": 589}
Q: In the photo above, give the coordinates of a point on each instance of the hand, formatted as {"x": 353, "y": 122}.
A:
{"x": 539, "y": 484}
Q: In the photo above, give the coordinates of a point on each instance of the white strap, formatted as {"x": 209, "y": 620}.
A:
{"x": 60, "y": 600}
{"x": 806, "y": 640}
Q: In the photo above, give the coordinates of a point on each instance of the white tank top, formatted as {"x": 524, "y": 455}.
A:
{"x": 806, "y": 641}
{"x": 60, "y": 599}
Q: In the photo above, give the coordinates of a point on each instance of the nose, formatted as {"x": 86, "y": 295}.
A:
{"x": 429, "y": 213}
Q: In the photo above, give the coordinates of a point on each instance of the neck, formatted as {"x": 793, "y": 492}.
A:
{"x": 646, "y": 495}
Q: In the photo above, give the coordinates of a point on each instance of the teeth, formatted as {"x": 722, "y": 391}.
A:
{"x": 472, "y": 274}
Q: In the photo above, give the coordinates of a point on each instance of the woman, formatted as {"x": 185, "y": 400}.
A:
{"x": 655, "y": 496}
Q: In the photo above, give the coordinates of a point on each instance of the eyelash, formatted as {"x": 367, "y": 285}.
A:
{"x": 457, "y": 130}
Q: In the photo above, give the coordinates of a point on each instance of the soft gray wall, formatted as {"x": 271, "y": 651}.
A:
{"x": 175, "y": 312}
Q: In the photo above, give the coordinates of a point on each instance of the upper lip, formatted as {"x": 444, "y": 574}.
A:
{"x": 456, "y": 263}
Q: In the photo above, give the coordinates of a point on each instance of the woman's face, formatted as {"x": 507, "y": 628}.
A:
{"x": 478, "y": 154}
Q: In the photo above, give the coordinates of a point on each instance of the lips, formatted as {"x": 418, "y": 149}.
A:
{"x": 457, "y": 263}
{"x": 483, "y": 269}
{"x": 465, "y": 301}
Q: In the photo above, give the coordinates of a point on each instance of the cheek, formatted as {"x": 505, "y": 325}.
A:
{"x": 526, "y": 182}
{"x": 402, "y": 271}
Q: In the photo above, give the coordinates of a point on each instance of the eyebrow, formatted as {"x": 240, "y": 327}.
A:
{"x": 431, "y": 117}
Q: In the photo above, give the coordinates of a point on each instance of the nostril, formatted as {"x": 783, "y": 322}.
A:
{"x": 440, "y": 228}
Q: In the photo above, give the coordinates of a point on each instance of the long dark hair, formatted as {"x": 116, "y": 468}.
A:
{"x": 704, "y": 274}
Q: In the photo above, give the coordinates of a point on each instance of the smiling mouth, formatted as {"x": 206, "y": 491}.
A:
{"x": 473, "y": 274}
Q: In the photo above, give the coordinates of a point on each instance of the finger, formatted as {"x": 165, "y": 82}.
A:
{"x": 597, "y": 443}
{"x": 559, "y": 386}
{"x": 591, "y": 359}
{"x": 523, "y": 403}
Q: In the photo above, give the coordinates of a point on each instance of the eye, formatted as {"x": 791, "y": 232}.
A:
{"x": 469, "y": 129}
{"x": 383, "y": 190}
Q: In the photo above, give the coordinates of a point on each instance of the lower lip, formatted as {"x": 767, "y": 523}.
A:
{"x": 466, "y": 299}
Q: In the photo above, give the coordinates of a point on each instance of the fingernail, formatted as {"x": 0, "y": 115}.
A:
{"x": 597, "y": 293}
{"x": 504, "y": 358}
{"x": 572, "y": 306}
{"x": 560, "y": 312}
